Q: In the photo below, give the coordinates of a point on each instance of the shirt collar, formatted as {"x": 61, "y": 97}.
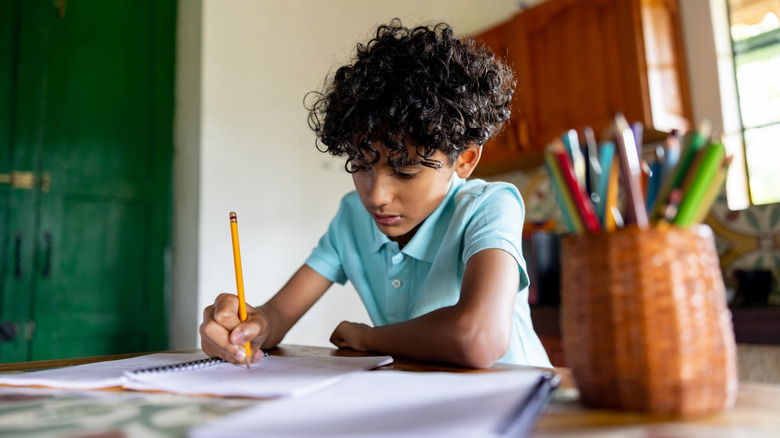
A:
{"x": 425, "y": 243}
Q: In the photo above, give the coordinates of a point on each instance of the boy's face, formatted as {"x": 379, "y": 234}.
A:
{"x": 400, "y": 201}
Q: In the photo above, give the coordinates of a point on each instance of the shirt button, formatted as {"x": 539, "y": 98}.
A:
{"x": 396, "y": 283}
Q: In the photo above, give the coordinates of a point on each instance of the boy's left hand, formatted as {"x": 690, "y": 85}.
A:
{"x": 350, "y": 335}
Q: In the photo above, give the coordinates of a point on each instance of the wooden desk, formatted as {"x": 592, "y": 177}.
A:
{"x": 33, "y": 411}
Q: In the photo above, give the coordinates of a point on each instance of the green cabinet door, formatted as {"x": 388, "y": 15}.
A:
{"x": 92, "y": 120}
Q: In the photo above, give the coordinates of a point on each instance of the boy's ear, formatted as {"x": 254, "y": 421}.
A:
{"x": 467, "y": 160}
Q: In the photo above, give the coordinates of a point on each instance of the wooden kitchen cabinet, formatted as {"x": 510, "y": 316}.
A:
{"x": 578, "y": 62}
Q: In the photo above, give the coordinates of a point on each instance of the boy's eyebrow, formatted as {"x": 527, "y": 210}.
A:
{"x": 427, "y": 162}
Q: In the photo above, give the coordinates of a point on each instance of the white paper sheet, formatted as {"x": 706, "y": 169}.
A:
{"x": 271, "y": 377}
{"x": 387, "y": 404}
{"x": 94, "y": 375}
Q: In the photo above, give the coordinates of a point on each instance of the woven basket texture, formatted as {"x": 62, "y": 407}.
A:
{"x": 644, "y": 321}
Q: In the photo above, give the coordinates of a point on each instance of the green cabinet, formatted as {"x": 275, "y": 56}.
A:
{"x": 86, "y": 120}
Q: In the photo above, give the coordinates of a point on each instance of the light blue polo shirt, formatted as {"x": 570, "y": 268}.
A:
{"x": 398, "y": 285}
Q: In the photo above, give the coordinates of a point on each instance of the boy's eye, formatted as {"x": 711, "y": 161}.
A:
{"x": 353, "y": 167}
{"x": 404, "y": 175}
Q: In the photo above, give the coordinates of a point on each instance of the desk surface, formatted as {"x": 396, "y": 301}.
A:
{"x": 33, "y": 412}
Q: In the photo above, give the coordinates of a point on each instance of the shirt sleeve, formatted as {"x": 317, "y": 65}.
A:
{"x": 325, "y": 258}
{"x": 497, "y": 223}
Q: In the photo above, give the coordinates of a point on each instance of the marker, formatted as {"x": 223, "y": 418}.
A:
{"x": 606, "y": 157}
{"x": 572, "y": 143}
{"x": 637, "y": 128}
{"x": 710, "y": 164}
{"x": 713, "y": 191}
{"x": 594, "y": 167}
{"x": 673, "y": 179}
{"x": 631, "y": 172}
{"x": 669, "y": 211}
{"x": 656, "y": 176}
{"x": 612, "y": 217}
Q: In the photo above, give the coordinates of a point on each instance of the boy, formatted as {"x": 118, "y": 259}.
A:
{"x": 435, "y": 259}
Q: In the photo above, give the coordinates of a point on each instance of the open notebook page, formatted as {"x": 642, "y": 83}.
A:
{"x": 271, "y": 377}
{"x": 96, "y": 375}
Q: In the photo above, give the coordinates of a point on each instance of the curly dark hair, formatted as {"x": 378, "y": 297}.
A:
{"x": 422, "y": 87}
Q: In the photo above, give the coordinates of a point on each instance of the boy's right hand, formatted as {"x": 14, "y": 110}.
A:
{"x": 224, "y": 335}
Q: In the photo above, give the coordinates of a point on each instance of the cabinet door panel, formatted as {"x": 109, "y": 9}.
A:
{"x": 579, "y": 66}
{"x": 507, "y": 144}
{"x": 96, "y": 278}
{"x": 103, "y": 220}
{"x": 93, "y": 119}
{"x": 578, "y": 62}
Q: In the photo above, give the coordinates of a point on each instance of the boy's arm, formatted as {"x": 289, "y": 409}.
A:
{"x": 474, "y": 333}
{"x": 224, "y": 335}
{"x": 294, "y": 299}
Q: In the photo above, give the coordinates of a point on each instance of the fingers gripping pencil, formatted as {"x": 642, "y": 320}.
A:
{"x": 239, "y": 280}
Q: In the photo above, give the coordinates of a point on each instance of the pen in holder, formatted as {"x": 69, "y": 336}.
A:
{"x": 645, "y": 323}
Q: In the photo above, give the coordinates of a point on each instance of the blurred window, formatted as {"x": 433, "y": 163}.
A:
{"x": 755, "y": 36}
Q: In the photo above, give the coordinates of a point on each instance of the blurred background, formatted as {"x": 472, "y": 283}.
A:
{"x": 130, "y": 129}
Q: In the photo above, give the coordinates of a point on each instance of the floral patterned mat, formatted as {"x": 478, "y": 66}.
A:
{"x": 46, "y": 412}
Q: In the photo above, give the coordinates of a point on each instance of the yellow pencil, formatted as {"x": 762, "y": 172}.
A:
{"x": 239, "y": 280}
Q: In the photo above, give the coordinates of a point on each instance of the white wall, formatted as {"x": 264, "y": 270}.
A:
{"x": 186, "y": 166}
{"x": 256, "y": 154}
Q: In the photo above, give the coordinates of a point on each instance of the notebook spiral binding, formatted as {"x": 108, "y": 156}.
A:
{"x": 187, "y": 366}
{"x": 183, "y": 366}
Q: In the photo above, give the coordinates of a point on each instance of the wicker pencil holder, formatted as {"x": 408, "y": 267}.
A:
{"x": 645, "y": 323}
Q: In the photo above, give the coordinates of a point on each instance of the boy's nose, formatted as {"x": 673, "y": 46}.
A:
{"x": 380, "y": 191}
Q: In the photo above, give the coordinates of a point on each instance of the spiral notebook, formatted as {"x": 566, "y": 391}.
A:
{"x": 195, "y": 373}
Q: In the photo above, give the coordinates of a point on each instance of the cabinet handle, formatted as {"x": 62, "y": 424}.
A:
{"x": 60, "y": 5}
{"x": 26, "y": 180}
{"x": 47, "y": 260}
{"x": 23, "y": 180}
{"x": 18, "y": 255}
{"x": 8, "y": 331}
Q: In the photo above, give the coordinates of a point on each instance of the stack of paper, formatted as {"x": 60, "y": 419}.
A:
{"x": 399, "y": 404}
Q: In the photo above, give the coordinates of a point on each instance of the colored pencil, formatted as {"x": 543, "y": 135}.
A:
{"x": 568, "y": 210}
{"x": 711, "y": 163}
{"x": 583, "y": 203}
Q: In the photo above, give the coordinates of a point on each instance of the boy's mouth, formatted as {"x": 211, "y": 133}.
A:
{"x": 385, "y": 220}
